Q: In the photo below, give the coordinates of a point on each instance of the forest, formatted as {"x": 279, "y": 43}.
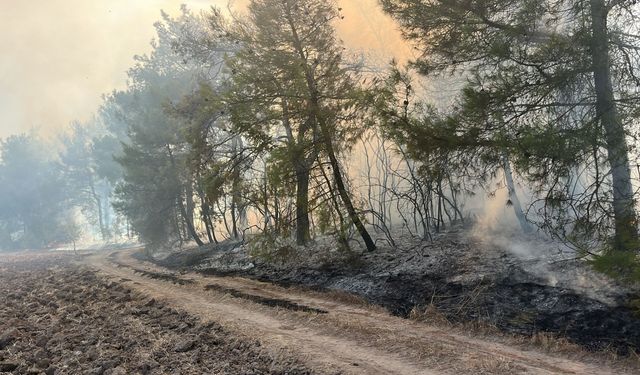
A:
{"x": 262, "y": 126}
{"x": 487, "y": 186}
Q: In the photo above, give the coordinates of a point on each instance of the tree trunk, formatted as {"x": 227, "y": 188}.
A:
{"x": 177, "y": 219}
{"x": 625, "y": 216}
{"x": 98, "y": 203}
{"x": 107, "y": 208}
{"x": 513, "y": 196}
{"x": 265, "y": 197}
{"x": 189, "y": 223}
{"x": 206, "y": 216}
{"x": 209, "y": 231}
{"x": 183, "y": 210}
{"x": 342, "y": 226}
{"x": 190, "y": 206}
{"x": 234, "y": 217}
{"x": 303, "y": 234}
{"x": 316, "y": 118}
{"x": 344, "y": 195}
{"x": 236, "y": 193}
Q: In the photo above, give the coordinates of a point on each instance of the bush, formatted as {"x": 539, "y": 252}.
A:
{"x": 621, "y": 265}
{"x": 271, "y": 248}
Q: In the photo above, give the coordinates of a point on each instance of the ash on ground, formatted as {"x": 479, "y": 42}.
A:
{"x": 520, "y": 284}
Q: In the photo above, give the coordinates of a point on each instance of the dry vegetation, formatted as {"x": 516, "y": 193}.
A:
{"x": 545, "y": 342}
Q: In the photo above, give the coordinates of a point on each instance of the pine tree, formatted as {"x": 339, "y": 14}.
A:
{"x": 551, "y": 82}
{"x": 157, "y": 190}
{"x": 290, "y": 83}
{"x": 36, "y": 208}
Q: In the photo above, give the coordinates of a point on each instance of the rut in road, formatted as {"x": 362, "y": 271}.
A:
{"x": 328, "y": 334}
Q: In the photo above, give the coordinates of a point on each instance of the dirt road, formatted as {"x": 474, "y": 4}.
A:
{"x": 327, "y": 332}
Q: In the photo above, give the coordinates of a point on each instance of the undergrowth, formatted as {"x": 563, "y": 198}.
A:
{"x": 275, "y": 250}
{"x": 546, "y": 342}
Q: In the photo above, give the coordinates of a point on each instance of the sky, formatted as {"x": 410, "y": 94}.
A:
{"x": 58, "y": 57}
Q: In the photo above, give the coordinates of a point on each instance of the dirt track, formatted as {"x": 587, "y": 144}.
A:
{"x": 329, "y": 334}
{"x": 108, "y": 313}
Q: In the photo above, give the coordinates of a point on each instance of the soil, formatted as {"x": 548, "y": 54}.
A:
{"x": 333, "y": 333}
{"x": 57, "y": 317}
{"x": 111, "y": 313}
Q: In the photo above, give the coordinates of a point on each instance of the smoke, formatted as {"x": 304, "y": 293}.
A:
{"x": 538, "y": 257}
{"x": 61, "y": 56}
{"x": 366, "y": 28}
{"x": 493, "y": 216}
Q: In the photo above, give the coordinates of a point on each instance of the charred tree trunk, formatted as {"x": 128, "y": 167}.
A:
{"x": 625, "y": 216}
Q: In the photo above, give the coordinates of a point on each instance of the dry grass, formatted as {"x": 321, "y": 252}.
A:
{"x": 479, "y": 328}
{"x": 544, "y": 342}
{"x": 438, "y": 354}
{"x": 551, "y": 343}
{"x": 347, "y": 298}
{"x": 495, "y": 365}
{"x": 436, "y": 351}
{"x": 430, "y": 315}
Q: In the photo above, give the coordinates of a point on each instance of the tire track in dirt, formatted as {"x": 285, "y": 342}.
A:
{"x": 325, "y": 353}
{"x": 347, "y": 338}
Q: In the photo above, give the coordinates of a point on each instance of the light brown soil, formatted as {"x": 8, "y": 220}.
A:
{"x": 328, "y": 334}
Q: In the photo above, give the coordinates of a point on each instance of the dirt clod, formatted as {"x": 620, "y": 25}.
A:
{"x": 8, "y": 366}
{"x": 7, "y": 337}
{"x": 184, "y": 345}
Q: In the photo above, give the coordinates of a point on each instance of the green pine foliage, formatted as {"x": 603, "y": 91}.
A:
{"x": 552, "y": 84}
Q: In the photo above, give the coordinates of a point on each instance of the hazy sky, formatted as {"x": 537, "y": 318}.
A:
{"x": 59, "y": 56}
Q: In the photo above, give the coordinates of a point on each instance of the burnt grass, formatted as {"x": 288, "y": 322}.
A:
{"x": 168, "y": 277}
{"x": 270, "y": 302}
{"x": 451, "y": 275}
{"x": 59, "y": 318}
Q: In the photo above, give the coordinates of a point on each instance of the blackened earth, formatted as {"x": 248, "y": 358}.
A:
{"x": 464, "y": 279}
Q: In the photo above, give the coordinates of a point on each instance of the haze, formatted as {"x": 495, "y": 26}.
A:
{"x": 60, "y": 56}
{"x": 257, "y": 189}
